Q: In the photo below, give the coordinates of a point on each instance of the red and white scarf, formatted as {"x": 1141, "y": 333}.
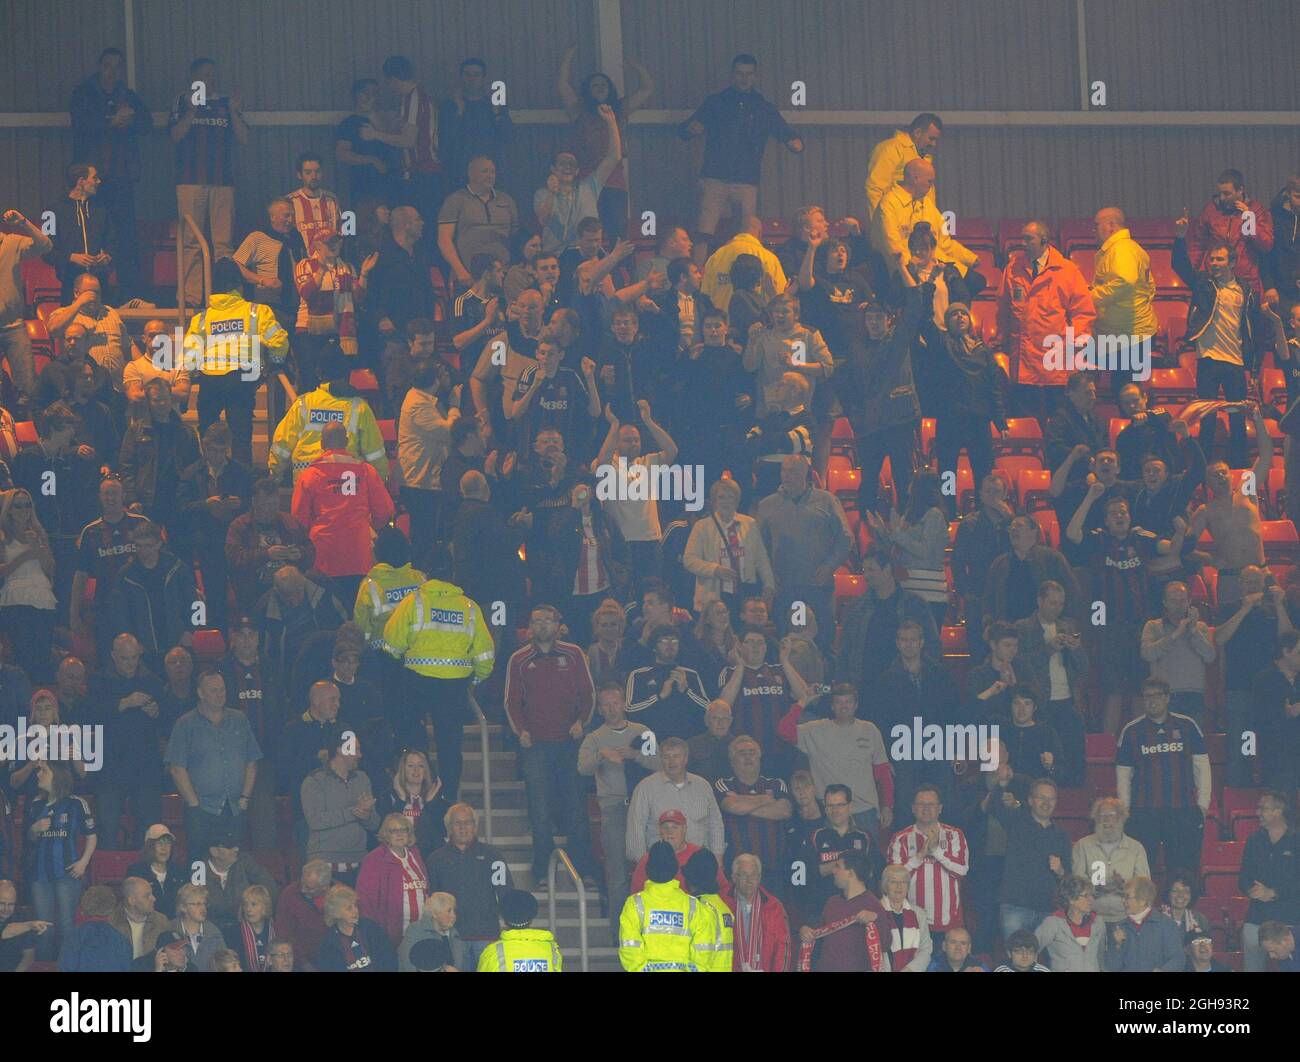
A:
{"x": 326, "y": 293}
{"x": 906, "y": 931}
{"x": 257, "y": 953}
{"x": 875, "y": 950}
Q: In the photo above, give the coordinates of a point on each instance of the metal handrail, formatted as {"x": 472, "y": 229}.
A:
{"x": 206, "y": 253}
{"x": 487, "y": 765}
{"x": 559, "y": 856}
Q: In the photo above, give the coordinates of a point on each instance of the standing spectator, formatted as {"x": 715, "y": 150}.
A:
{"x": 156, "y": 867}
{"x": 1109, "y": 858}
{"x": 566, "y": 200}
{"x": 475, "y": 874}
{"x": 108, "y": 122}
{"x": 910, "y": 941}
{"x": 27, "y": 602}
{"x": 1147, "y": 940}
{"x": 920, "y": 538}
{"x": 15, "y": 345}
{"x": 754, "y": 808}
{"x": 329, "y": 290}
{"x": 210, "y": 500}
{"x": 486, "y": 553}
{"x": 154, "y": 596}
{"x": 1037, "y": 855}
{"x": 552, "y": 395}
{"x": 1276, "y": 705}
{"x": 783, "y": 347}
{"x": 353, "y": 944}
{"x": 548, "y": 700}
{"x": 761, "y": 694}
{"x": 1042, "y": 294}
{"x": 762, "y": 933}
{"x": 1122, "y": 290}
{"x": 254, "y": 689}
{"x": 422, "y": 169}
{"x": 724, "y": 553}
{"x": 204, "y": 125}
{"x": 665, "y": 695}
{"x": 1162, "y": 772}
{"x": 315, "y": 210}
{"x": 673, "y": 788}
{"x": 736, "y": 123}
{"x": 298, "y": 912}
{"x": 1281, "y": 272}
{"x": 159, "y": 452}
{"x": 724, "y": 277}
{"x": 1073, "y": 935}
{"x": 1270, "y": 876}
{"x": 807, "y": 537}
{"x": 213, "y": 758}
{"x": 340, "y": 499}
{"x": 937, "y": 858}
{"x": 905, "y": 207}
{"x": 261, "y": 542}
{"x": 61, "y": 838}
{"x": 393, "y": 885}
{"x": 890, "y": 157}
{"x": 423, "y": 445}
{"x": 982, "y": 537}
{"x": 476, "y": 219}
{"x": 472, "y": 124}
{"x": 81, "y": 230}
{"x": 267, "y": 260}
{"x": 339, "y": 807}
{"x": 708, "y": 751}
{"x": 1074, "y": 432}
{"x": 476, "y": 311}
{"x": 373, "y": 166}
{"x": 1178, "y": 647}
{"x": 1151, "y": 431}
{"x": 400, "y": 289}
{"x": 1052, "y": 659}
{"x": 869, "y": 638}
{"x": 1224, "y": 218}
{"x": 846, "y": 948}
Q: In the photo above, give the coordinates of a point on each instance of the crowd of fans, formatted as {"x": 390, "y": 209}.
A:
{"x": 601, "y": 481}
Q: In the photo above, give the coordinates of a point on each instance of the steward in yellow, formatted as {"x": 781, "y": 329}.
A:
{"x": 224, "y": 355}
{"x": 1122, "y": 290}
{"x": 297, "y": 436}
{"x": 661, "y": 928}
{"x": 521, "y": 949}
{"x": 443, "y": 641}
{"x": 701, "y": 874}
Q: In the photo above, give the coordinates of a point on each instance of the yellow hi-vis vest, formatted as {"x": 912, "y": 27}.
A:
{"x": 229, "y": 336}
{"x": 665, "y": 930}
{"x": 380, "y": 592}
{"x": 724, "y": 934}
{"x": 440, "y": 633}
{"x": 522, "y": 951}
{"x": 297, "y": 436}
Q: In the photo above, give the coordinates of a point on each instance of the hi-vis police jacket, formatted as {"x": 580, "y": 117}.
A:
{"x": 438, "y": 632}
{"x": 522, "y": 951}
{"x": 665, "y": 930}
{"x": 380, "y": 592}
{"x": 229, "y": 336}
{"x": 297, "y": 436}
{"x": 724, "y": 935}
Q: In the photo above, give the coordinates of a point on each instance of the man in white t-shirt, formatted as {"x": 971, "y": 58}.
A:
{"x": 146, "y": 364}
{"x": 566, "y": 200}
{"x": 103, "y": 325}
{"x": 634, "y": 507}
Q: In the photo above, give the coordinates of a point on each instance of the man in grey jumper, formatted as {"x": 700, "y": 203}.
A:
{"x": 1178, "y": 646}
{"x": 339, "y": 808}
{"x": 606, "y": 753}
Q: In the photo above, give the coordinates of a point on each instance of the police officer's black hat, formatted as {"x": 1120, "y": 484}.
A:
{"x": 518, "y": 908}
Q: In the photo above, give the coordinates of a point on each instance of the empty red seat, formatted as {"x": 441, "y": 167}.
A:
{"x": 965, "y": 485}
{"x": 364, "y": 380}
{"x": 1171, "y": 317}
{"x": 954, "y": 641}
{"x": 1099, "y": 748}
{"x": 927, "y": 435}
{"x": 1050, "y": 527}
{"x": 1100, "y": 778}
{"x": 388, "y": 430}
{"x": 1034, "y": 486}
{"x": 209, "y": 645}
{"x": 1280, "y": 541}
{"x": 1221, "y": 855}
{"x": 976, "y": 233}
{"x": 1085, "y": 258}
{"x": 1152, "y": 232}
{"x": 25, "y": 432}
{"x": 776, "y": 231}
{"x": 843, "y": 480}
{"x": 1170, "y": 386}
{"x": 1167, "y": 282}
{"x": 1074, "y": 802}
{"x": 849, "y": 584}
{"x": 1220, "y": 884}
{"x": 1224, "y": 911}
{"x": 1009, "y": 238}
{"x": 109, "y": 867}
{"x": 1075, "y": 231}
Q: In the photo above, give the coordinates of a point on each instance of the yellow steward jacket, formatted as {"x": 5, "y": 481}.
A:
{"x": 229, "y": 336}
{"x": 440, "y": 633}
{"x": 896, "y": 217}
{"x": 297, "y": 436}
{"x": 717, "y": 270}
{"x": 885, "y": 167}
{"x": 522, "y": 951}
{"x": 665, "y": 930}
{"x": 380, "y": 592}
{"x": 1122, "y": 290}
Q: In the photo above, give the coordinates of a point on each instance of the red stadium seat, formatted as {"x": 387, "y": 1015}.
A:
{"x": 927, "y": 435}
{"x": 843, "y": 481}
{"x": 1280, "y": 541}
{"x": 1221, "y": 855}
{"x": 1007, "y": 476}
{"x": 388, "y": 430}
{"x": 965, "y": 485}
{"x": 1172, "y": 387}
{"x": 976, "y": 233}
{"x": 25, "y": 432}
{"x": 1162, "y": 273}
{"x": 1075, "y": 232}
{"x": 1015, "y": 467}
{"x": 842, "y": 441}
{"x": 1219, "y": 885}
{"x": 1025, "y": 438}
{"x": 1171, "y": 317}
{"x": 1117, "y": 425}
{"x": 1075, "y": 803}
{"x": 954, "y": 641}
{"x": 364, "y": 381}
{"x": 1050, "y": 527}
{"x": 1100, "y": 777}
{"x": 109, "y": 867}
{"x": 1085, "y": 258}
{"x": 849, "y": 584}
{"x": 1277, "y": 491}
{"x": 1075, "y": 828}
{"x": 986, "y": 264}
{"x": 1225, "y": 911}
{"x": 1099, "y": 748}
{"x": 1152, "y": 232}
{"x": 209, "y": 645}
{"x": 1009, "y": 238}
{"x": 1272, "y": 385}
{"x": 776, "y": 231}
{"x": 1034, "y": 487}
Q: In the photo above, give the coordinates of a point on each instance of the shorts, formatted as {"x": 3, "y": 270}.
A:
{"x": 717, "y": 197}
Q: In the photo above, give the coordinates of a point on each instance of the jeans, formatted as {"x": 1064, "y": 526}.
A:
{"x": 55, "y": 901}
{"x": 213, "y": 209}
{"x": 897, "y": 443}
{"x": 1211, "y": 374}
{"x": 1254, "y": 959}
{"x": 613, "y": 839}
{"x": 1015, "y": 917}
{"x": 473, "y": 949}
{"x": 145, "y": 795}
{"x": 550, "y": 770}
{"x": 16, "y": 345}
{"x": 236, "y": 397}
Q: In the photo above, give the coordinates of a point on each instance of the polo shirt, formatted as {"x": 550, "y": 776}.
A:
{"x": 215, "y": 756}
{"x": 483, "y": 225}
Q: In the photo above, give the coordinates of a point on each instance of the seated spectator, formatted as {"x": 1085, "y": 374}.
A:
{"x": 159, "y": 451}
{"x": 1181, "y": 894}
{"x": 81, "y": 229}
{"x": 1109, "y": 859}
{"x": 392, "y": 885}
{"x": 437, "y": 923}
{"x": 1278, "y": 941}
{"x": 18, "y": 936}
{"x": 298, "y": 918}
{"x": 709, "y": 752}
{"x": 93, "y": 945}
{"x": 1147, "y": 940}
{"x": 229, "y": 872}
{"x": 262, "y": 541}
{"x": 955, "y": 955}
{"x": 1022, "y": 954}
{"x": 200, "y": 938}
{"x": 156, "y": 869}
{"x": 139, "y": 923}
{"x": 352, "y": 944}
{"x": 254, "y": 931}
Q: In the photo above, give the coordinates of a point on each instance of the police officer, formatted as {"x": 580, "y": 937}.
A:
{"x": 521, "y": 949}
{"x": 224, "y": 350}
{"x": 661, "y": 928}
{"x": 297, "y": 436}
{"x": 701, "y": 874}
{"x": 392, "y": 579}
{"x": 443, "y": 640}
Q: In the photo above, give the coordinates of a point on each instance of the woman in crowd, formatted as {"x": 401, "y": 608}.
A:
{"x": 393, "y": 884}
{"x": 717, "y": 641}
{"x": 155, "y": 867}
{"x": 1180, "y": 897}
{"x": 352, "y": 944}
{"x": 60, "y": 842}
{"x": 416, "y": 792}
{"x": 726, "y": 553}
{"x": 608, "y": 625}
{"x": 27, "y": 600}
{"x": 525, "y": 246}
{"x": 1073, "y": 935}
{"x": 43, "y": 710}
{"x": 254, "y": 932}
{"x": 439, "y": 922}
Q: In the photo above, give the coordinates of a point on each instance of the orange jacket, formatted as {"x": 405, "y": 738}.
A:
{"x": 1030, "y": 309}
{"x": 339, "y": 498}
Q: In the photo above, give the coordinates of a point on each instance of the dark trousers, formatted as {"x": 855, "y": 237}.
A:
{"x": 216, "y": 588}
{"x": 953, "y": 434}
{"x": 424, "y": 507}
{"x": 897, "y": 443}
{"x": 645, "y": 560}
{"x": 201, "y": 826}
{"x": 445, "y": 701}
{"x": 31, "y": 633}
{"x": 117, "y": 196}
{"x": 1212, "y": 374}
{"x": 234, "y": 396}
{"x": 345, "y": 588}
{"x": 1064, "y": 717}
{"x": 551, "y": 782}
{"x": 612, "y": 207}
{"x": 1029, "y": 400}
{"x": 111, "y": 800}
{"x": 1178, "y": 829}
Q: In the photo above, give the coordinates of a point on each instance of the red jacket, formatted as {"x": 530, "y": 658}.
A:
{"x": 546, "y": 693}
{"x": 1213, "y": 224}
{"x": 772, "y": 941}
{"x": 1032, "y": 308}
{"x": 380, "y": 892}
{"x": 338, "y": 498}
{"x": 299, "y": 920}
{"x": 639, "y": 875}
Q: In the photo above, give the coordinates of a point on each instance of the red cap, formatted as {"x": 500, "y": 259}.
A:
{"x": 672, "y": 815}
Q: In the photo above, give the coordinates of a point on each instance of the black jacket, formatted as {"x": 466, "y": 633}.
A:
{"x": 969, "y": 385}
{"x": 737, "y": 125}
{"x": 132, "y": 610}
{"x": 1027, "y": 877}
{"x": 337, "y": 956}
{"x": 1282, "y": 266}
{"x": 876, "y": 385}
{"x": 154, "y": 459}
{"x": 1067, "y": 429}
{"x": 205, "y": 534}
{"x": 81, "y": 226}
{"x": 1204, "y": 296}
{"x": 485, "y": 551}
